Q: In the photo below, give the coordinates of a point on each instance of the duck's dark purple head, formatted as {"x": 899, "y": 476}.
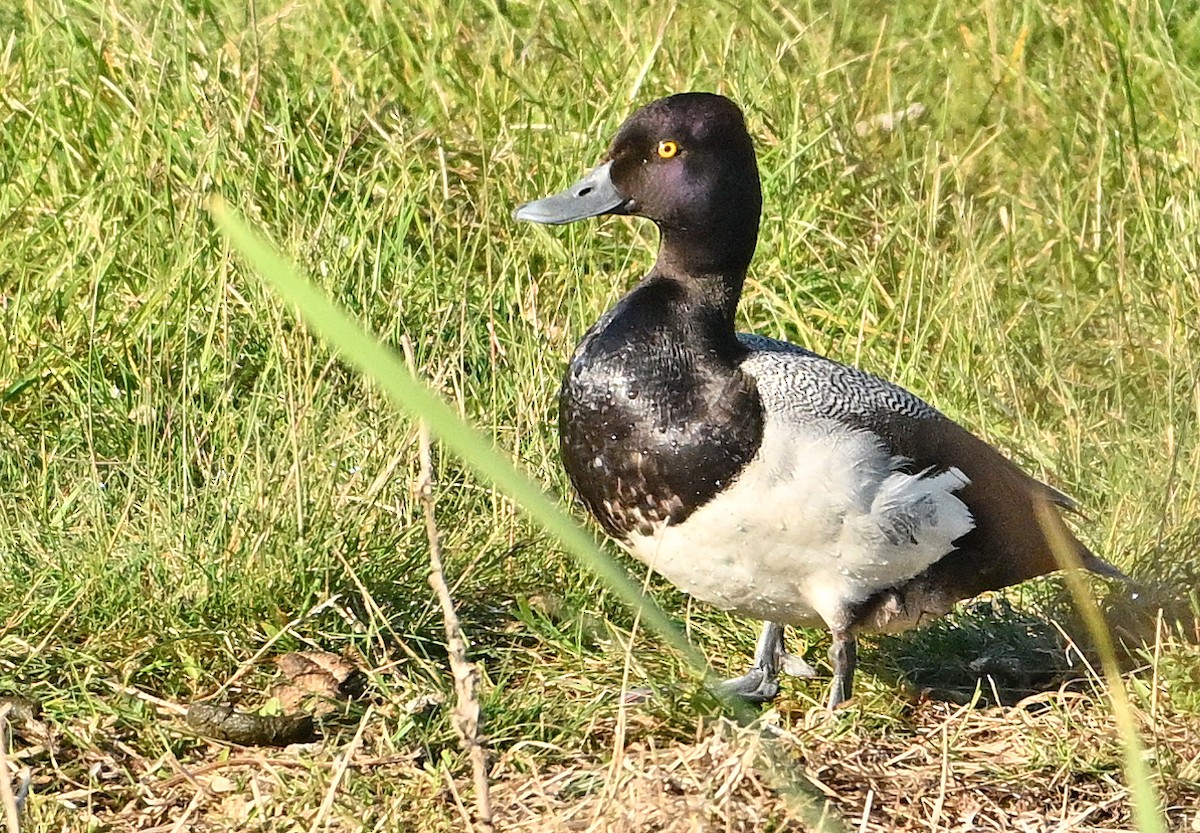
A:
{"x": 687, "y": 163}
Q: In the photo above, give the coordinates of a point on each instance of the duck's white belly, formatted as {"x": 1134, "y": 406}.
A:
{"x": 819, "y": 520}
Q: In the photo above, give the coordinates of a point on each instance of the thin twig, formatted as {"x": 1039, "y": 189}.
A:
{"x": 12, "y": 814}
{"x": 130, "y": 691}
{"x": 866, "y": 813}
{"x": 178, "y": 826}
{"x": 467, "y": 713}
{"x": 266, "y": 646}
{"x": 339, "y": 771}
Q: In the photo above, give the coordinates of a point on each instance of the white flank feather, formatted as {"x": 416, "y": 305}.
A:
{"x": 821, "y": 519}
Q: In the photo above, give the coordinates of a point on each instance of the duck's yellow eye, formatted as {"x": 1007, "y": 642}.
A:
{"x": 667, "y": 149}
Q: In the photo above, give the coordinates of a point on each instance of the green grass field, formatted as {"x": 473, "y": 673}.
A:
{"x": 192, "y": 484}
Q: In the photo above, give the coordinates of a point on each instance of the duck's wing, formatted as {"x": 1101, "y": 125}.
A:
{"x": 1012, "y": 540}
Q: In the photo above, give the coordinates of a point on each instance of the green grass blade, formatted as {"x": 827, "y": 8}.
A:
{"x": 412, "y": 396}
{"x": 1146, "y": 803}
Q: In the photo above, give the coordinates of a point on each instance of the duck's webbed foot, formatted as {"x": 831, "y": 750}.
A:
{"x": 761, "y": 683}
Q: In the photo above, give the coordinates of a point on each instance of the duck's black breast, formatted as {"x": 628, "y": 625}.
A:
{"x": 655, "y": 415}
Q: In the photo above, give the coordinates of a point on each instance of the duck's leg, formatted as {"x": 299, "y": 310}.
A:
{"x": 843, "y": 653}
{"x": 761, "y": 683}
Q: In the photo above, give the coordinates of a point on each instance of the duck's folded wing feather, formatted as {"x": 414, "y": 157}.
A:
{"x": 1011, "y": 540}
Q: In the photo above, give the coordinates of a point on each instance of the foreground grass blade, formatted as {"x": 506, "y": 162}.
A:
{"x": 1146, "y": 804}
{"x": 412, "y": 396}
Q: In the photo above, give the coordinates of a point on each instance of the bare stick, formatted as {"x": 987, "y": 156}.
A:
{"x": 467, "y": 713}
{"x": 8, "y": 801}
{"x": 165, "y": 705}
{"x": 266, "y": 646}
{"x": 339, "y": 771}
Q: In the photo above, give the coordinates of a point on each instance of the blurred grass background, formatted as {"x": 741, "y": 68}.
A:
{"x": 186, "y": 470}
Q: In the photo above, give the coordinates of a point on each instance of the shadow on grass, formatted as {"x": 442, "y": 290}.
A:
{"x": 1167, "y": 597}
{"x": 1009, "y": 654}
{"x": 1005, "y": 653}
{"x": 542, "y": 629}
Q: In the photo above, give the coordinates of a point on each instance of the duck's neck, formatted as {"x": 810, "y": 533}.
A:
{"x": 711, "y": 264}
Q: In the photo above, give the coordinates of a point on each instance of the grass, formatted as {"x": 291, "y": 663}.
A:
{"x": 189, "y": 472}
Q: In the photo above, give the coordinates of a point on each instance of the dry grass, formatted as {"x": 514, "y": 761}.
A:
{"x": 191, "y": 484}
{"x": 1048, "y": 763}
{"x": 950, "y": 769}
{"x": 996, "y": 770}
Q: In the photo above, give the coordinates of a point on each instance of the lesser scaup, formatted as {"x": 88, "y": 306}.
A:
{"x": 753, "y": 474}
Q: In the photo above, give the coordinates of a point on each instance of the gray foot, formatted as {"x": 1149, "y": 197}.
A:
{"x": 844, "y": 656}
{"x": 755, "y": 686}
{"x": 761, "y": 683}
{"x": 794, "y": 666}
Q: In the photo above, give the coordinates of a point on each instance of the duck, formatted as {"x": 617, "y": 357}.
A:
{"x": 754, "y": 474}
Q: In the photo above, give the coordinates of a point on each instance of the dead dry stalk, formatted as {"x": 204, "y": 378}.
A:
{"x": 467, "y": 713}
{"x": 339, "y": 772}
{"x": 12, "y": 813}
